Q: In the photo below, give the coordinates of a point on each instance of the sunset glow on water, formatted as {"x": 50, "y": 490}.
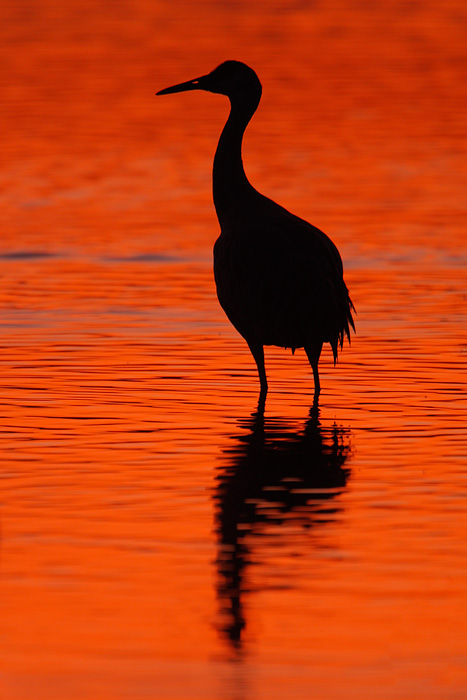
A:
{"x": 158, "y": 539}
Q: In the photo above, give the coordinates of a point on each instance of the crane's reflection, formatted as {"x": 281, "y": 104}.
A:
{"x": 274, "y": 472}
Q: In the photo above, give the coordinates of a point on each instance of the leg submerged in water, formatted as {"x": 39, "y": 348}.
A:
{"x": 313, "y": 353}
{"x": 257, "y": 351}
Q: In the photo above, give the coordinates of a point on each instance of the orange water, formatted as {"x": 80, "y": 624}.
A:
{"x": 157, "y": 539}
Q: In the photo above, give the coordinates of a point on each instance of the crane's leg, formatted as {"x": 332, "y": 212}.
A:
{"x": 313, "y": 352}
{"x": 257, "y": 351}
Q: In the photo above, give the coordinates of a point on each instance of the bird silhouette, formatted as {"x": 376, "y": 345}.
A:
{"x": 279, "y": 279}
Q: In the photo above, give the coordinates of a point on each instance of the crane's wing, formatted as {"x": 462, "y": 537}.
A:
{"x": 280, "y": 282}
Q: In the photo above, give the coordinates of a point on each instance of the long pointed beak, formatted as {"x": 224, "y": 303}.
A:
{"x": 183, "y": 87}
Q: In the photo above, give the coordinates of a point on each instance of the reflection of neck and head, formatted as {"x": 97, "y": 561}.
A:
{"x": 272, "y": 473}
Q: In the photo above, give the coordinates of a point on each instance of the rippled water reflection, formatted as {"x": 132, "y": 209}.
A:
{"x": 277, "y": 484}
{"x": 159, "y": 538}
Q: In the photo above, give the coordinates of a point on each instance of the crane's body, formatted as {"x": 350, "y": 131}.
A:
{"x": 279, "y": 279}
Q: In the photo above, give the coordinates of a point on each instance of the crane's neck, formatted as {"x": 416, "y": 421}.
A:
{"x": 231, "y": 187}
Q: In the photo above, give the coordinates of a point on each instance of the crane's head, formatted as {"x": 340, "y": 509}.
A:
{"x": 232, "y": 78}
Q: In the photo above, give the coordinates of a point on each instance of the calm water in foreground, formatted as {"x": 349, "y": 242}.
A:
{"x": 158, "y": 538}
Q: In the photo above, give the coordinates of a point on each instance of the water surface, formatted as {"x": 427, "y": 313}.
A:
{"x": 159, "y": 538}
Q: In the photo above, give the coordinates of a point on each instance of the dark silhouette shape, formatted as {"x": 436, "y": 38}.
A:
{"x": 279, "y": 279}
{"x": 273, "y": 474}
